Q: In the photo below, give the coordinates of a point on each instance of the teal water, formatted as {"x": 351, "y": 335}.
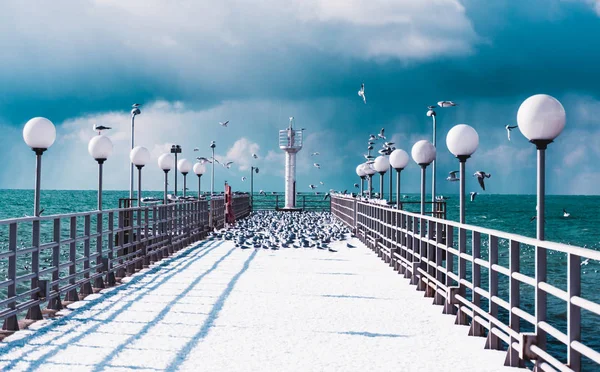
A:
{"x": 508, "y": 213}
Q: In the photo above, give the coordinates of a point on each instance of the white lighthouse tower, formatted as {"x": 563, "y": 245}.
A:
{"x": 290, "y": 141}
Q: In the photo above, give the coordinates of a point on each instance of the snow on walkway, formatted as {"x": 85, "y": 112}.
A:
{"x": 214, "y": 307}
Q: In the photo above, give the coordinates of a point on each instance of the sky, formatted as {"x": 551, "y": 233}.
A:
{"x": 198, "y": 63}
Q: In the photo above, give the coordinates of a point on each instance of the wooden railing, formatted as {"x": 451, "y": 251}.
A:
{"x": 305, "y": 202}
{"x": 62, "y": 258}
{"x": 500, "y": 284}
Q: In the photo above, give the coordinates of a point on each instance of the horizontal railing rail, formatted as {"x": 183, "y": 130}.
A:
{"x": 305, "y": 202}
{"x": 501, "y": 284}
{"x": 61, "y": 258}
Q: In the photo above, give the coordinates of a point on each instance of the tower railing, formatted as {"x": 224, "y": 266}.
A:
{"x": 487, "y": 278}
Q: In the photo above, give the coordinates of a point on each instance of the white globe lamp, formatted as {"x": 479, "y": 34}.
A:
{"x": 39, "y": 134}
{"x": 100, "y": 148}
{"x": 462, "y": 141}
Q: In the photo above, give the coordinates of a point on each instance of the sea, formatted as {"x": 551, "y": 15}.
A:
{"x": 507, "y": 213}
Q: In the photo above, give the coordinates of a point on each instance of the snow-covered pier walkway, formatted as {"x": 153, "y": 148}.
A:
{"x": 214, "y": 307}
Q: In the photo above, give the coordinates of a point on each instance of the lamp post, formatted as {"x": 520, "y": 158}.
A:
{"x": 199, "y": 169}
{"x": 541, "y": 118}
{"x": 164, "y": 163}
{"x": 398, "y": 161}
{"x": 134, "y": 112}
{"x": 462, "y": 141}
{"x": 139, "y": 156}
{"x": 212, "y": 182}
{"x": 252, "y": 170}
{"x": 184, "y": 167}
{"x": 175, "y": 149}
{"x": 431, "y": 113}
{"x": 381, "y": 166}
{"x": 360, "y": 172}
{"x": 369, "y": 171}
{"x": 100, "y": 148}
{"x": 423, "y": 153}
{"x": 39, "y": 134}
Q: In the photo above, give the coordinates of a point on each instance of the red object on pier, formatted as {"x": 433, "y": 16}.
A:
{"x": 229, "y": 215}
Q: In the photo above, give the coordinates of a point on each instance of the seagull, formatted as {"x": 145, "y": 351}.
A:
{"x": 508, "y": 129}
{"x": 243, "y": 179}
{"x": 100, "y": 128}
{"x": 372, "y": 137}
{"x": 565, "y": 213}
{"x": 321, "y": 182}
{"x": 370, "y": 147}
{"x": 446, "y": 104}
{"x": 356, "y": 185}
{"x": 587, "y": 261}
{"x": 315, "y": 154}
{"x": 532, "y": 218}
{"x": 317, "y": 165}
{"x": 388, "y": 144}
{"x": 312, "y": 187}
{"x": 380, "y": 135}
{"x": 255, "y": 156}
{"x": 368, "y": 156}
{"x": 228, "y": 164}
{"x": 261, "y": 192}
{"x": 224, "y": 124}
{"x": 203, "y": 160}
{"x": 480, "y": 176}
{"x": 473, "y": 195}
{"x": 217, "y": 161}
{"x": 361, "y": 93}
{"x": 452, "y": 177}
{"x": 196, "y": 149}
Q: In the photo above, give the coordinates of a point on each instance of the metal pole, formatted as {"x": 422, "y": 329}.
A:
{"x": 139, "y": 195}
{"x": 131, "y": 165}
{"x": 397, "y": 188}
{"x": 433, "y": 167}
{"x": 381, "y": 185}
{"x": 175, "y": 192}
{"x": 540, "y": 252}
{"x": 199, "y": 185}
{"x": 462, "y": 160}
{"x": 370, "y": 184}
{"x": 251, "y": 186}
{"x": 423, "y": 175}
{"x": 212, "y": 176}
{"x": 38, "y": 180}
{"x": 100, "y": 163}
{"x": 184, "y": 183}
{"x": 391, "y": 185}
{"x": 362, "y": 186}
{"x": 166, "y": 182}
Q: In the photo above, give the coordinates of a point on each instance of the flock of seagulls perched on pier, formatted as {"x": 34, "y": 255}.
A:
{"x": 275, "y": 230}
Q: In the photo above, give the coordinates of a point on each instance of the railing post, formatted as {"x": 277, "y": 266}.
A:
{"x": 11, "y": 323}
{"x": 573, "y": 311}
{"x": 514, "y": 299}
{"x": 98, "y": 281}
{"x": 34, "y": 312}
{"x": 72, "y": 294}
{"x": 438, "y": 299}
{"x": 55, "y": 303}
{"x": 121, "y": 238}
{"x": 86, "y": 287}
{"x": 110, "y": 276}
{"x": 461, "y": 317}
{"x": 449, "y": 305}
{"x": 493, "y": 342}
{"x": 476, "y": 328}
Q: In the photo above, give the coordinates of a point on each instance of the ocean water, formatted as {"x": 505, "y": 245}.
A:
{"x": 509, "y": 213}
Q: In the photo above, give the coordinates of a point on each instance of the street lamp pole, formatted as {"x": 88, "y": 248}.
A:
{"x": 165, "y": 162}
{"x": 433, "y": 115}
{"x": 175, "y": 149}
{"x": 134, "y": 111}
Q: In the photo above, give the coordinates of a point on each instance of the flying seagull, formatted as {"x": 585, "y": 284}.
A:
{"x": 368, "y": 156}
{"x": 317, "y": 165}
{"x": 452, "y": 177}
{"x": 361, "y": 93}
{"x": 446, "y": 104}
{"x": 312, "y": 187}
{"x": 356, "y": 185}
{"x": 224, "y": 124}
{"x": 480, "y": 177}
{"x": 380, "y": 135}
{"x": 372, "y": 137}
{"x": 243, "y": 179}
{"x": 228, "y": 164}
{"x": 321, "y": 182}
{"x": 255, "y": 156}
{"x": 508, "y": 129}
{"x": 100, "y": 128}
{"x": 315, "y": 154}
{"x": 196, "y": 149}
{"x": 203, "y": 160}
{"x": 473, "y": 195}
